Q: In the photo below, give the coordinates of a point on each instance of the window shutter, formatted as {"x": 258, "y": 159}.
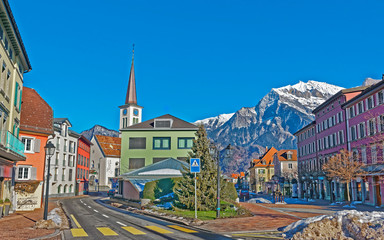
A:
{"x": 368, "y": 128}
{"x": 36, "y": 145}
{"x": 16, "y": 89}
{"x": 378, "y": 124}
{"x": 33, "y": 173}
{"x": 21, "y": 93}
{"x": 374, "y": 125}
{"x": 358, "y": 132}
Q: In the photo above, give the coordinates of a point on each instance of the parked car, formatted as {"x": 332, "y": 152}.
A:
{"x": 244, "y": 194}
{"x": 111, "y": 192}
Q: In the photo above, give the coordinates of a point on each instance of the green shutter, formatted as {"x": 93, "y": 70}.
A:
{"x": 21, "y": 93}
{"x": 17, "y": 86}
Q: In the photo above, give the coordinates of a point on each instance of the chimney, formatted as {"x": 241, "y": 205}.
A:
{"x": 266, "y": 149}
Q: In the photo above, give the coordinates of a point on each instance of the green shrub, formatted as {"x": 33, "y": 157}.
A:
{"x": 229, "y": 192}
{"x": 7, "y": 200}
{"x": 148, "y": 192}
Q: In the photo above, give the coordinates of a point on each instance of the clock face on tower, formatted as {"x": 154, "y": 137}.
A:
{"x": 125, "y": 111}
{"x": 135, "y": 112}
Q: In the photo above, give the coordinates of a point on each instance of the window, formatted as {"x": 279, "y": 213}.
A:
{"x": 360, "y": 107}
{"x": 371, "y": 126}
{"x": 70, "y": 175}
{"x": 381, "y": 97}
{"x": 63, "y": 176}
{"x": 362, "y": 130}
{"x": 185, "y": 143}
{"x": 6, "y": 43}
{"x": 24, "y": 173}
{"x": 353, "y": 133}
{"x": 261, "y": 171}
{"x": 161, "y": 143}
{"x": 381, "y": 124}
{"x": 135, "y": 163}
{"x": 163, "y": 123}
{"x": 155, "y": 160}
{"x": 373, "y": 154}
{"x": 351, "y": 112}
{"x": 290, "y": 165}
{"x": 57, "y": 159}
{"x": 137, "y": 143}
{"x": 364, "y": 154}
{"x": 370, "y": 102}
{"x": 28, "y": 144}
{"x": 64, "y": 158}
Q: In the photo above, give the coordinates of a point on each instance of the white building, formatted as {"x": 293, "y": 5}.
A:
{"x": 63, "y": 163}
{"x": 105, "y": 161}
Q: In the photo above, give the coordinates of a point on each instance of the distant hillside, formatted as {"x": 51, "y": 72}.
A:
{"x": 99, "y": 130}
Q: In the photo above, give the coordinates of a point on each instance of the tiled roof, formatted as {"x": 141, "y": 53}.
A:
{"x": 109, "y": 145}
{"x": 267, "y": 158}
{"x": 176, "y": 124}
{"x": 36, "y": 115}
{"x": 282, "y": 155}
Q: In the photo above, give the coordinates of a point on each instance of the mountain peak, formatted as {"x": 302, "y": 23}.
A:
{"x": 99, "y": 130}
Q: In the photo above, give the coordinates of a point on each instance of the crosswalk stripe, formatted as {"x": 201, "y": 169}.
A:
{"x": 78, "y": 232}
{"x": 133, "y": 230}
{"x": 182, "y": 229}
{"x": 158, "y": 229}
{"x": 106, "y": 231}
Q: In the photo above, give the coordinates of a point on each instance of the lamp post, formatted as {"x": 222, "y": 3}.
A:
{"x": 216, "y": 155}
{"x": 49, "y": 151}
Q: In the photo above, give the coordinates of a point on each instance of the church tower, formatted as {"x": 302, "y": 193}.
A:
{"x": 130, "y": 112}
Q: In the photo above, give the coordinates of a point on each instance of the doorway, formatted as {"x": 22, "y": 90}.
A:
{"x": 377, "y": 191}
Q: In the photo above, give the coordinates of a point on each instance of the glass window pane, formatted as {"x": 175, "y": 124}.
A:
{"x": 166, "y": 143}
{"x": 181, "y": 143}
{"x": 157, "y": 143}
{"x": 26, "y": 173}
{"x": 189, "y": 143}
{"x": 20, "y": 175}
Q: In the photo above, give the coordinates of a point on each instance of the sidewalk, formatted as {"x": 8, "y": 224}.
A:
{"x": 264, "y": 219}
{"x": 19, "y": 225}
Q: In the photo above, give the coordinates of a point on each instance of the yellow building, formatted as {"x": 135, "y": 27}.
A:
{"x": 261, "y": 172}
{"x": 14, "y": 63}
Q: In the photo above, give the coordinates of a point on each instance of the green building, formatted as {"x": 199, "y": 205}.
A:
{"x": 154, "y": 140}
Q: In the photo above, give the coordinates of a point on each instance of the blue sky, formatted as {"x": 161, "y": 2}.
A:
{"x": 193, "y": 59}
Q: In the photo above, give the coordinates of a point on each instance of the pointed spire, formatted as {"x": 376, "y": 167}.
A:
{"x": 131, "y": 92}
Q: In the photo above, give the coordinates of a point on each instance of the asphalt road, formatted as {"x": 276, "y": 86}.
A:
{"x": 90, "y": 219}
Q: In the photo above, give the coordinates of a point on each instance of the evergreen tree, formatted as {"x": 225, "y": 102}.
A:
{"x": 206, "y": 179}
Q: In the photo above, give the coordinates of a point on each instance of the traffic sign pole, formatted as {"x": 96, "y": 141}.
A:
{"x": 195, "y": 199}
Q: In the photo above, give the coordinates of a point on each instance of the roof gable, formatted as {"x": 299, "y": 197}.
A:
{"x": 110, "y": 146}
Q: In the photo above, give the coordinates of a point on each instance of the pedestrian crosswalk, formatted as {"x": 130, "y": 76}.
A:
{"x": 106, "y": 231}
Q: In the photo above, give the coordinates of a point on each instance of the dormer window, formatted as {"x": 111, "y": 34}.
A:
{"x": 163, "y": 123}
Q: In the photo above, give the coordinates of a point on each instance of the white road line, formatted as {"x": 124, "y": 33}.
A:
{"x": 85, "y": 204}
{"x": 122, "y": 224}
{"x": 105, "y": 216}
{"x": 95, "y": 210}
{"x": 89, "y": 206}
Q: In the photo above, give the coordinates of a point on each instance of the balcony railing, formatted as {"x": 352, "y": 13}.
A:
{"x": 12, "y": 143}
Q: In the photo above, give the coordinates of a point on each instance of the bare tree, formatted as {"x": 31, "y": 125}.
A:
{"x": 344, "y": 167}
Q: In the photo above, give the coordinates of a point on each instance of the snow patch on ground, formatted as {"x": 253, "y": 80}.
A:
{"x": 259, "y": 200}
{"x": 54, "y": 215}
{"x": 347, "y": 224}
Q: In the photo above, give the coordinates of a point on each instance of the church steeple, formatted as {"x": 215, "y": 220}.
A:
{"x": 131, "y": 91}
{"x": 130, "y": 112}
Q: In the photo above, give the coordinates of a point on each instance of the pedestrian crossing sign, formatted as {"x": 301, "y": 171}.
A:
{"x": 195, "y": 165}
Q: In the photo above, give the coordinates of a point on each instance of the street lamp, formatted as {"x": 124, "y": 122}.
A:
{"x": 49, "y": 151}
{"x": 214, "y": 152}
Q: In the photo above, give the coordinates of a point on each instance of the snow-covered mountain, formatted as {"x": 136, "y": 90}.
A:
{"x": 99, "y": 130}
{"x": 271, "y": 123}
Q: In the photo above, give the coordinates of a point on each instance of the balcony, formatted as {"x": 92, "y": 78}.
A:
{"x": 12, "y": 143}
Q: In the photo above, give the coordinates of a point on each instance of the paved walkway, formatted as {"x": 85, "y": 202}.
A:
{"x": 19, "y": 225}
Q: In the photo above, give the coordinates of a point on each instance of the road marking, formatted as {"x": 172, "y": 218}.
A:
{"x": 78, "y": 232}
{"x": 182, "y": 229}
{"x": 106, "y": 231}
{"x": 85, "y": 204}
{"x": 95, "y": 210}
{"x": 76, "y": 222}
{"x": 122, "y": 224}
{"x": 158, "y": 229}
{"x": 105, "y": 216}
{"x": 133, "y": 230}
{"x": 89, "y": 206}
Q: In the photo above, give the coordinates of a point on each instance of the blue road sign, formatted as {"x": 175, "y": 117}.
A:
{"x": 195, "y": 165}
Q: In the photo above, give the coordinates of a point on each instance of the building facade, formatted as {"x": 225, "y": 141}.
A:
{"x": 14, "y": 63}
{"x": 365, "y": 122}
{"x": 105, "y": 161}
{"x": 82, "y": 165}
{"x": 261, "y": 172}
{"x": 63, "y": 163}
{"x": 285, "y": 164}
{"x": 349, "y": 120}
{"x": 155, "y": 140}
{"x": 36, "y": 125}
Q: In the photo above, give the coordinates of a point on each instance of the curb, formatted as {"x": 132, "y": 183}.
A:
{"x": 55, "y": 234}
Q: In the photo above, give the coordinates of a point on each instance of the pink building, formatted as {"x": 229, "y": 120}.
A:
{"x": 365, "y": 122}
{"x": 330, "y": 135}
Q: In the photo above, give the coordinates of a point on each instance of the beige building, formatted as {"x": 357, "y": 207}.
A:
{"x": 286, "y": 172}
{"x": 14, "y": 63}
{"x": 261, "y": 172}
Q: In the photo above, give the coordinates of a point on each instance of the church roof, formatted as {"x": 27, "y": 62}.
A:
{"x": 177, "y": 124}
{"x": 131, "y": 91}
{"x": 109, "y": 145}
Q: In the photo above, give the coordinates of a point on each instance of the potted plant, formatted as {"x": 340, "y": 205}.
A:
{"x": 7, "y": 205}
{"x": 1, "y": 207}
